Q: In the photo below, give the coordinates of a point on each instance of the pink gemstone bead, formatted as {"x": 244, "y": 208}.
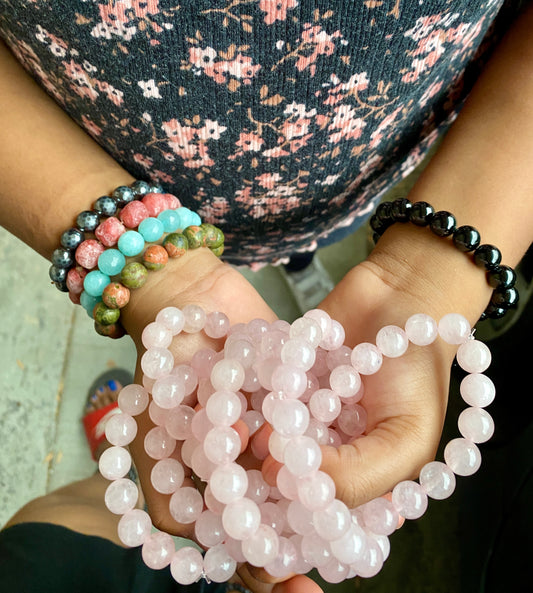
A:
{"x": 290, "y": 418}
{"x": 380, "y": 516}
{"x": 392, "y": 341}
{"x": 219, "y": 566}
{"x": 109, "y": 231}
{"x": 276, "y": 446}
{"x": 133, "y": 214}
{"x": 88, "y": 252}
{"x": 155, "y": 334}
{"x": 157, "y": 362}
{"x": 172, "y": 318}
{"x": 302, "y": 456}
{"x": 227, "y": 375}
{"x": 473, "y": 356}
{"x": 285, "y": 562}
{"x": 216, "y": 325}
{"x": 185, "y": 505}
{"x": 134, "y": 527}
{"x": 318, "y": 431}
{"x": 158, "y": 444}
{"x": 299, "y": 518}
{"x": 201, "y": 465}
{"x": 325, "y": 405}
{"x": 154, "y": 203}
{"x": 211, "y": 502}
{"x": 321, "y": 362}
{"x": 202, "y": 362}
{"x": 321, "y": 317}
{"x": 179, "y": 422}
{"x": 228, "y": 483}
{"x": 171, "y": 201}
{"x": 366, "y": 358}
{"x": 334, "y": 337}
{"x": 262, "y": 547}
{"x": 272, "y": 343}
{"x": 371, "y": 562}
{"x": 256, "y": 329}
{"x": 241, "y": 518}
{"x": 168, "y": 392}
{"x": 157, "y": 414}
{"x": 253, "y": 420}
{"x": 114, "y": 463}
{"x": 306, "y": 329}
{"x": 351, "y": 546}
{"x": 421, "y": 329}
{"x": 315, "y": 550}
{"x": 272, "y": 514}
{"x": 298, "y": 353}
{"x": 120, "y": 429}
{"x": 289, "y": 380}
{"x": 121, "y": 496}
{"x": 223, "y": 408}
{"x": 242, "y": 351}
{"x": 341, "y": 356}
{"x": 167, "y": 476}
{"x": 409, "y": 499}
{"x": 158, "y": 549}
{"x": 352, "y": 420}
{"x": 333, "y": 521}
{"x": 74, "y": 298}
{"x": 75, "y": 279}
{"x": 148, "y": 383}
{"x": 187, "y": 376}
{"x": 258, "y": 489}
{"x": 383, "y": 543}
{"x": 234, "y": 547}
{"x": 187, "y": 449}
{"x": 195, "y": 318}
{"x": 477, "y": 390}
{"x": 208, "y": 529}
{"x": 334, "y": 571}
{"x": 454, "y": 328}
{"x": 133, "y": 399}
{"x": 222, "y": 445}
{"x": 201, "y": 425}
{"x": 264, "y": 369}
{"x": 476, "y": 425}
{"x": 462, "y": 457}
{"x": 345, "y": 381}
{"x": 316, "y": 491}
{"x": 437, "y": 480}
{"x": 287, "y": 484}
{"x": 187, "y": 563}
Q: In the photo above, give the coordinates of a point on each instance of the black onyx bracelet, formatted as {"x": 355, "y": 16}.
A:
{"x": 466, "y": 238}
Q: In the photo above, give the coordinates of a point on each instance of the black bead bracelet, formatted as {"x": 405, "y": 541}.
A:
{"x": 465, "y": 238}
{"x": 87, "y": 222}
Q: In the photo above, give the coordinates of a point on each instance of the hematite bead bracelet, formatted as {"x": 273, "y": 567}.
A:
{"x": 465, "y": 238}
{"x": 87, "y": 221}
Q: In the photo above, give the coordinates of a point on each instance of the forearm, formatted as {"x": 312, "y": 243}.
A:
{"x": 482, "y": 174}
{"x": 50, "y": 168}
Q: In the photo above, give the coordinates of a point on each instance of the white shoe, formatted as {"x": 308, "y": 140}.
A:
{"x": 310, "y": 285}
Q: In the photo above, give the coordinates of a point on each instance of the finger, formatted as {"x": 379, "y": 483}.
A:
{"x": 259, "y": 581}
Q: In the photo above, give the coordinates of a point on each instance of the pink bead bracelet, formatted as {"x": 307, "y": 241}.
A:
{"x": 307, "y": 385}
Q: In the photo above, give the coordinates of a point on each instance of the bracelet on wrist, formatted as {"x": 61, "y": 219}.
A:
{"x": 465, "y": 238}
{"x": 95, "y": 262}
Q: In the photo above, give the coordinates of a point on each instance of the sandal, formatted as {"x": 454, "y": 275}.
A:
{"x": 94, "y": 421}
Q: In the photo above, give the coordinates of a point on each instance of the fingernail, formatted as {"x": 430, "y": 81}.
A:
{"x": 100, "y": 390}
{"x": 112, "y": 385}
{"x": 94, "y": 397}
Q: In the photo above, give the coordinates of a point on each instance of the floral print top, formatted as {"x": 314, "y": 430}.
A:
{"x": 279, "y": 120}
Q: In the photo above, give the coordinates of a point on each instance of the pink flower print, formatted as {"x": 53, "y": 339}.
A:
{"x": 161, "y": 176}
{"x": 349, "y": 126}
{"x": 113, "y": 94}
{"x": 274, "y": 153}
{"x": 293, "y": 129}
{"x": 299, "y": 110}
{"x": 202, "y": 58}
{"x": 143, "y": 160}
{"x": 114, "y": 11}
{"x": 295, "y": 145}
{"x": 268, "y": 180}
{"x": 323, "y": 45}
{"x": 150, "y": 89}
{"x": 176, "y": 132}
{"x": 214, "y": 210}
{"x": 243, "y": 196}
{"x": 90, "y": 126}
{"x": 423, "y": 27}
{"x": 217, "y": 71}
{"x": 82, "y": 84}
{"x": 241, "y": 68}
{"x": 143, "y": 8}
{"x": 276, "y": 10}
{"x": 211, "y": 130}
{"x": 249, "y": 141}
{"x": 431, "y": 91}
{"x": 434, "y": 42}
{"x": 200, "y": 159}
{"x": 57, "y": 46}
{"x": 356, "y": 83}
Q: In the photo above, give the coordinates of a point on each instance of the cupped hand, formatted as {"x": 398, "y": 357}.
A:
{"x": 199, "y": 279}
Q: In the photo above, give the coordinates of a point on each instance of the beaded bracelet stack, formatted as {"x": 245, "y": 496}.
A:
{"x": 95, "y": 271}
{"x": 466, "y": 238}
